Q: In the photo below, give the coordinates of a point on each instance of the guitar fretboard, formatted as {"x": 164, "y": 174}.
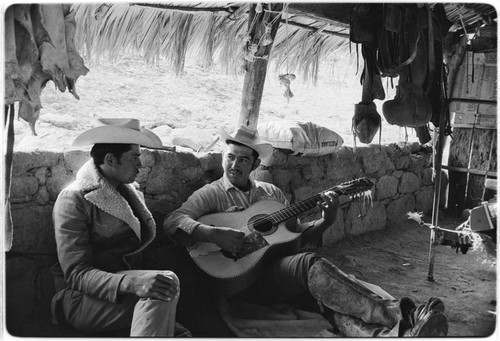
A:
{"x": 349, "y": 188}
{"x": 295, "y": 209}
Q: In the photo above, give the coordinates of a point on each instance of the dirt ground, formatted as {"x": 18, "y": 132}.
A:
{"x": 397, "y": 259}
{"x": 203, "y": 99}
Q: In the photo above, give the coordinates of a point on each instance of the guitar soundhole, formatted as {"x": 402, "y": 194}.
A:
{"x": 261, "y": 224}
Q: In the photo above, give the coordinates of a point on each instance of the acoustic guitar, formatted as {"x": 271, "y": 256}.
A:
{"x": 265, "y": 235}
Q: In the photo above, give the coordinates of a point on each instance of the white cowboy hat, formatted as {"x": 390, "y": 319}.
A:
{"x": 118, "y": 130}
{"x": 249, "y": 138}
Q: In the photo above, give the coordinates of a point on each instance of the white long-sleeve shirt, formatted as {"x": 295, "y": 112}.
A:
{"x": 219, "y": 196}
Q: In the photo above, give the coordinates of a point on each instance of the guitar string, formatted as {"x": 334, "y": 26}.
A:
{"x": 284, "y": 213}
{"x": 308, "y": 203}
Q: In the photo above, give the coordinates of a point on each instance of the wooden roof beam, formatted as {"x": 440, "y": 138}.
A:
{"x": 313, "y": 29}
{"x": 337, "y": 14}
{"x": 187, "y": 9}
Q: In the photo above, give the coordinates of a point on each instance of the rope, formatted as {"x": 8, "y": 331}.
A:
{"x": 285, "y": 9}
{"x": 432, "y": 227}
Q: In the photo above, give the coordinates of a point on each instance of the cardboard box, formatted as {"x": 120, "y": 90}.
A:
{"x": 477, "y": 77}
{"x": 466, "y": 114}
{"x": 489, "y": 58}
{"x": 483, "y": 217}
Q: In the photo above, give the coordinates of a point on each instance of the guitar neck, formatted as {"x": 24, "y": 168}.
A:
{"x": 299, "y": 207}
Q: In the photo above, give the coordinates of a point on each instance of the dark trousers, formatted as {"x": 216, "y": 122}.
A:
{"x": 196, "y": 309}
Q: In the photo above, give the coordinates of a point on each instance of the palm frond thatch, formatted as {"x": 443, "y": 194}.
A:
{"x": 110, "y": 30}
{"x": 215, "y": 33}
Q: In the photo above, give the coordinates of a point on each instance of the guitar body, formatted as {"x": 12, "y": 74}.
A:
{"x": 239, "y": 272}
{"x": 265, "y": 236}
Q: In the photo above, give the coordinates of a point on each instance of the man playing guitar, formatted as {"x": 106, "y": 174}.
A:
{"x": 349, "y": 304}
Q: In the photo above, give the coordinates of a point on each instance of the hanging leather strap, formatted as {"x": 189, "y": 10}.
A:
{"x": 432, "y": 63}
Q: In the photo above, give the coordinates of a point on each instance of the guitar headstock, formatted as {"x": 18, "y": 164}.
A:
{"x": 353, "y": 187}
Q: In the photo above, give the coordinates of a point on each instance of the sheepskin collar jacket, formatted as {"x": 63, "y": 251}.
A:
{"x": 100, "y": 231}
{"x": 100, "y": 193}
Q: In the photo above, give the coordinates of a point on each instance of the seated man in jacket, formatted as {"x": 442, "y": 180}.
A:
{"x": 349, "y": 305}
{"x": 102, "y": 225}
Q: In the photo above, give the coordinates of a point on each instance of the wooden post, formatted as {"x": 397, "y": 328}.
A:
{"x": 9, "y": 114}
{"x": 438, "y": 160}
{"x": 256, "y": 60}
{"x": 453, "y": 67}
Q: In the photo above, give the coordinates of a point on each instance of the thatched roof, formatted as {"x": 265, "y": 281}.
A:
{"x": 215, "y": 32}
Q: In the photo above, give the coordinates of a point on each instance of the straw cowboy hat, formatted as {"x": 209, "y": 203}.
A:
{"x": 249, "y": 138}
{"x": 118, "y": 130}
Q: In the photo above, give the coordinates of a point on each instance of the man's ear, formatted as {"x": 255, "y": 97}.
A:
{"x": 109, "y": 159}
{"x": 256, "y": 164}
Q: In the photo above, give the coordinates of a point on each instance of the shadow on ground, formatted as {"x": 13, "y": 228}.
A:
{"x": 397, "y": 259}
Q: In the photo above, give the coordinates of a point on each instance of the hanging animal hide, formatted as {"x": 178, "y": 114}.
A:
{"x": 39, "y": 46}
{"x": 13, "y": 92}
{"x": 26, "y": 49}
{"x": 30, "y": 110}
{"x": 54, "y": 57}
{"x": 75, "y": 61}
{"x": 40, "y": 32}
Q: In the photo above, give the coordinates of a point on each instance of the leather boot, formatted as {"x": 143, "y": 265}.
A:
{"x": 349, "y": 326}
{"x": 432, "y": 323}
{"x": 428, "y": 320}
{"x": 342, "y": 293}
{"x": 428, "y": 323}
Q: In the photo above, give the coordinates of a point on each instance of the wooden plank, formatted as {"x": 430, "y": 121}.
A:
{"x": 473, "y": 102}
{"x": 458, "y": 157}
{"x": 470, "y": 171}
{"x": 467, "y": 125}
{"x": 483, "y": 157}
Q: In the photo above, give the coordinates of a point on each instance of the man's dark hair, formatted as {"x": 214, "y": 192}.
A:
{"x": 254, "y": 152}
{"x": 99, "y": 151}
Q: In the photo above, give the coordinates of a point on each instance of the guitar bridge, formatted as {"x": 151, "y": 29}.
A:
{"x": 252, "y": 243}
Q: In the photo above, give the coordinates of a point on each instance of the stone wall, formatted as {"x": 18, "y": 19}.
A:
{"x": 402, "y": 175}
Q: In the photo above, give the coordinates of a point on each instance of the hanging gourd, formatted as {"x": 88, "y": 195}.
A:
{"x": 285, "y": 80}
{"x": 366, "y": 120}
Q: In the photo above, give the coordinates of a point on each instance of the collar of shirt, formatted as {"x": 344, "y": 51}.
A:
{"x": 228, "y": 185}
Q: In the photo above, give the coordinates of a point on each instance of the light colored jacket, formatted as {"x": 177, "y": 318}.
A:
{"x": 99, "y": 233}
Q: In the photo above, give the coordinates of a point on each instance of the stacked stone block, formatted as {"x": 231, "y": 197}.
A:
{"x": 402, "y": 174}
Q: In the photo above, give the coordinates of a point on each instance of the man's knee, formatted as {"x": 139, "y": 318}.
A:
{"x": 173, "y": 276}
{"x": 170, "y": 274}
{"x": 166, "y": 273}
{"x": 300, "y": 265}
{"x": 307, "y": 260}
{"x": 311, "y": 258}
